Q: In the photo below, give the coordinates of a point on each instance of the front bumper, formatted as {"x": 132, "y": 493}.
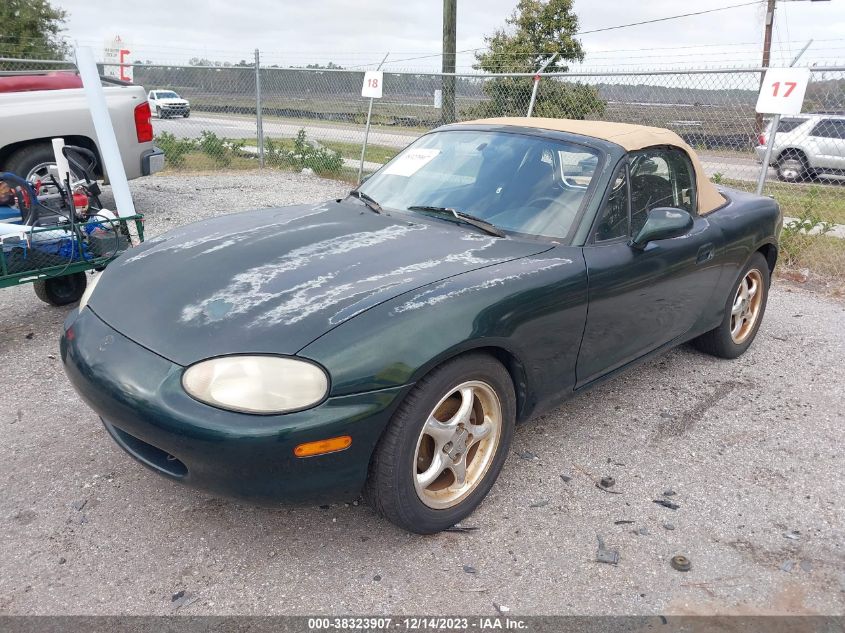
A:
{"x": 140, "y": 399}
{"x": 179, "y": 110}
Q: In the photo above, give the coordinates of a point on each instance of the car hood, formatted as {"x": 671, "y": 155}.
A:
{"x": 171, "y": 101}
{"x": 273, "y": 280}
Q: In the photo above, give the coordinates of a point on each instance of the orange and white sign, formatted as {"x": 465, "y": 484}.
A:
{"x": 115, "y": 58}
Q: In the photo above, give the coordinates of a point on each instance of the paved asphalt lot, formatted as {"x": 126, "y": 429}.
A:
{"x": 752, "y": 449}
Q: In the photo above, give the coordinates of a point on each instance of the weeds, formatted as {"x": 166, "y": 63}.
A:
{"x": 801, "y": 234}
{"x": 303, "y": 156}
{"x": 175, "y": 149}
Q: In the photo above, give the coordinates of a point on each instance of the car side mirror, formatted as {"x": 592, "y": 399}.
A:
{"x": 663, "y": 223}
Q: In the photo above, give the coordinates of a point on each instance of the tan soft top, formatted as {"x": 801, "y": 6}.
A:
{"x": 631, "y": 137}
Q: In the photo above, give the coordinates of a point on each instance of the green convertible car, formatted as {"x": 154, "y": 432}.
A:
{"x": 389, "y": 342}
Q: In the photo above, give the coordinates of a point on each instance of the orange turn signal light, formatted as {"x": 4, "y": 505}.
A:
{"x": 321, "y": 447}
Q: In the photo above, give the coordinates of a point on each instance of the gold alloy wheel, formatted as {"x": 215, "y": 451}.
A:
{"x": 745, "y": 309}
{"x": 457, "y": 444}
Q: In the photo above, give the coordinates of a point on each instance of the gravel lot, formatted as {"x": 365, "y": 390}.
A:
{"x": 753, "y": 450}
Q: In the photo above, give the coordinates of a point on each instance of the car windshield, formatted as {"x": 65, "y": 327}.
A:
{"x": 167, "y": 95}
{"x": 520, "y": 183}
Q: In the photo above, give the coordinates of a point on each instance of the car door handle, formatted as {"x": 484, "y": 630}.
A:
{"x": 705, "y": 254}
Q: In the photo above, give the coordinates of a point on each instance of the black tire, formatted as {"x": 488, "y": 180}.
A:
{"x": 390, "y": 488}
{"x": 719, "y": 341}
{"x": 61, "y": 291}
{"x": 26, "y": 159}
{"x": 792, "y": 166}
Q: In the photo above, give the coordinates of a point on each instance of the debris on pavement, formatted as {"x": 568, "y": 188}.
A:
{"x": 669, "y": 493}
{"x": 787, "y": 565}
{"x": 806, "y": 565}
{"x": 667, "y": 504}
{"x": 566, "y": 478}
{"x": 469, "y": 569}
{"x": 623, "y": 522}
{"x": 528, "y": 455}
{"x": 605, "y": 555}
{"x": 643, "y": 531}
{"x": 184, "y": 599}
{"x": 607, "y": 482}
{"x": 613, "y": 492}
{"x": 461, "y": 529}
{"x": 539, "y": 504}
{"x": 502, "y": 608}
{"x": 669, "y": 526}
{"x": 681, "y": 563}
{"x": 792, "y": 535}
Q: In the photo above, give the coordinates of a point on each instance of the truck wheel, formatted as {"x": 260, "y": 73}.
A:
{"x": 187, "y": 114}
{"x": 36, "y": 162}
{"x": 444, "y": 446}
{"x": 743, "y": 312}
{"x": 60, "y": 291}
{"x": 792, "y": 166}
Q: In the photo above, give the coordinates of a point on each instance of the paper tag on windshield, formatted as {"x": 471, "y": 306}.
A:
{"x": 411, "y": 162}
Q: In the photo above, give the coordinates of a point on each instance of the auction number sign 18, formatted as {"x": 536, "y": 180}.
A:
{"x": 372, "y": 84}
{"x": 782, "y": 91}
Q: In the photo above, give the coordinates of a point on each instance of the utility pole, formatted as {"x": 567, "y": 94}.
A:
{"x": 767, "y": 53}
{"x": 450, "y": 36}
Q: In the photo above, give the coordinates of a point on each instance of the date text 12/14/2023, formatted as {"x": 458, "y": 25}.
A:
{"x": 417, "y": 624}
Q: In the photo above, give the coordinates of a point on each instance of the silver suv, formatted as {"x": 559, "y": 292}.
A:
{"x": 806, "y": 145}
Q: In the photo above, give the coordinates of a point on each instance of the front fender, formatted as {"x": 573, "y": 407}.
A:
{"x": 534, "y": 308}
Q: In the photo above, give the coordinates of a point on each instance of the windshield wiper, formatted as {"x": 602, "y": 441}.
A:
{"x": 466, "y": 218}
{"x": 367, "y": 200}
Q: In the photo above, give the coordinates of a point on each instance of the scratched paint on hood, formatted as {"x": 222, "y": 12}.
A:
{"x": 271, "y": 281}
{"x": 524, "y": 267}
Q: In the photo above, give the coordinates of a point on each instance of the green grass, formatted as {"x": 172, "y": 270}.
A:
{"x": 375, "y": 153}
{"x": 825, "y": 201}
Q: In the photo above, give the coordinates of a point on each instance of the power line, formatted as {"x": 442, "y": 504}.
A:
{"x": 600, "y": 30}
{"x": 671, "y": 17}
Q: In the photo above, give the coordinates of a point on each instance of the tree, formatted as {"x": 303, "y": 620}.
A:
{"x": 535, "y": 31}
{"x": 32, "y": 28}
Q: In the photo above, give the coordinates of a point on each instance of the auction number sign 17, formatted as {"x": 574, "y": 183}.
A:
{"x": 782, "y": 91}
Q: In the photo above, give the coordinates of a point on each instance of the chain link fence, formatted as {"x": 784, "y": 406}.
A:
{"x": 314, "y": 119}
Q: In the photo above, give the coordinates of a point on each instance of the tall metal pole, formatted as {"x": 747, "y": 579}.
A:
{"x": 767, "y": 156}
{"x": 537, "y": 85}
{"x": 259, "y": 117}
{"x": 367, "y": 129}
{"x": 767, "y": 53}
{"x": 450, "y": 36}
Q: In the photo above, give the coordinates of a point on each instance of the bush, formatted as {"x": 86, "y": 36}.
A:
{"x": 303, "y": 155}
{"x": 510, "y": 96}
{"x": 802, "y": 234}
{"x": 215, "y": 148}
{"x": 175, "y": 149}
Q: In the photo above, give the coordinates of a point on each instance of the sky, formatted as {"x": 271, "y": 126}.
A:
{"x": 292, "y": 32}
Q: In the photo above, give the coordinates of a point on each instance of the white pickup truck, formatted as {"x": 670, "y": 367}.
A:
{"x": 37, "y": 108}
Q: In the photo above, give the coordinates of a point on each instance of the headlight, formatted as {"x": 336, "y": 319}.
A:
{"x": 89, "y": 290}
{"x": 256, "y": 384}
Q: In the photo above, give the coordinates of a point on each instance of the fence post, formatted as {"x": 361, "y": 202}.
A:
{"x": 537, "y": 85}
{"x": 367, "y": 128}
{"x": 767, "y": 156}
{"x": 259, "y": 119}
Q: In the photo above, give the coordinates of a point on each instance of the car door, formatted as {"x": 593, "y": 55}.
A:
{"x": 828, "y": 136}
{"x": 643, "y": 298}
